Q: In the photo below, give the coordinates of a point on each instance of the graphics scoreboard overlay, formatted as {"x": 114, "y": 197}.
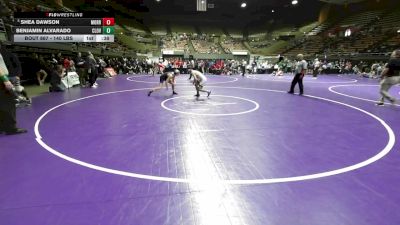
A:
{"x": 63, "y": 27}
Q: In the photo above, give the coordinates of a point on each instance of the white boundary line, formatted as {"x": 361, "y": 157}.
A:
{"x": 331, "y": 89}
{"x": 154, "y": 82}
{"x": 283, "y": 79}
{"x": 209, "y": 114}
{"x": 381, "y": 154}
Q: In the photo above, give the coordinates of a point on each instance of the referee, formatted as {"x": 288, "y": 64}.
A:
{"x": 390, "y": 77}
{"x": 7, "y": 103}
{"x": 301, "y": 67}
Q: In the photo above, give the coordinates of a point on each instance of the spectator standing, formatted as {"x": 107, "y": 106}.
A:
{"x": 92, "y": 70}
{"x": 80, "y": 67}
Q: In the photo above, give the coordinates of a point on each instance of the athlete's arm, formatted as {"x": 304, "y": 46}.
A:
{"x": 196, "y": 77}
{"x": 384, "y": 73}
{"x": 4, "y": 76}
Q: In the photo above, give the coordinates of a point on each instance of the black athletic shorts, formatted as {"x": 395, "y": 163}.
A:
{"x": 163, "y": 78}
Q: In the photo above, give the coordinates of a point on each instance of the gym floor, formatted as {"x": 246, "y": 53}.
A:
{"x": 249, "y": 154}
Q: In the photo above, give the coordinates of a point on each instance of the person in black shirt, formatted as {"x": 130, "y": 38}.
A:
{"x": 14, "y": 73}
{"x": 55, "y": 80}
{"x": 8, "y": 116}
{"x": 36, "y": 66}
{"x": 390, "y": 76}
{"x": 60, "y": 59}
{"x": 80, "y": 68}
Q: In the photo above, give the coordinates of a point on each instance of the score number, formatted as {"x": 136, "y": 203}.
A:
{"x": 108, "y": 30}
{"x": 108, "y": 25}
{"x": 108, "y": 21}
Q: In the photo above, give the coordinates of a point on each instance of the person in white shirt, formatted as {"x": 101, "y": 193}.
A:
{"x": 317, "y": 65}
{"x": 199, "y": 82}
{"x": 184, "y": 67}
{"x": 244, "y": 63}
{"x": 149, "y": 66}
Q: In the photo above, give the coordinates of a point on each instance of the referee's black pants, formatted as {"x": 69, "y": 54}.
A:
{"x": 8, "y": 117}
{"x": 93, "y": 76}
{"x": 298, "y": 78}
